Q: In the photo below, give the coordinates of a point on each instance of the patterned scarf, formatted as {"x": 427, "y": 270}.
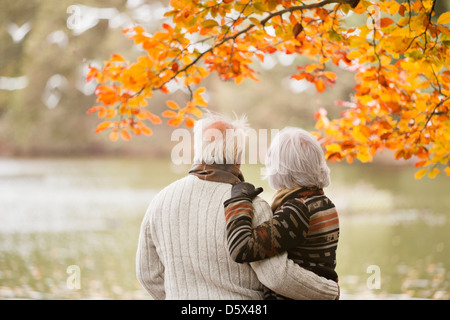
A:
{"x": 226, "y": 173}
{"x": 281, "y": 196}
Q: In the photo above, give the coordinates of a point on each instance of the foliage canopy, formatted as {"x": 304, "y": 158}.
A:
{"x": 400, "y": 57}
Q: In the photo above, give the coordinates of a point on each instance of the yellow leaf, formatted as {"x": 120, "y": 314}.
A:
{"x": 444, "y": 18}
{"x": 198, "y": 99}
{"x": 433, "y": 173}
{"x": 419, "y": 174}
{"x": 334, "y": 147}
{"x": 364, "y": 156}
{"x": 210, "y": 23}
{"x": 354, "y": 55}
{"x": 255, "y": 21}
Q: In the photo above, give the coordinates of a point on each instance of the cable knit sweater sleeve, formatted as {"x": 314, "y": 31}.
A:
{"x": 285, "y": 277}
{"x": 149, "y": 269}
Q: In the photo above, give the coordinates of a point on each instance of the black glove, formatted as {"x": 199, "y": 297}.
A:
{"x": 243, "y": 191}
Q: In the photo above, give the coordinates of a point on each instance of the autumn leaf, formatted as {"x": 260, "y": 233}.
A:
{"x": 114, "y": 136}
{"x": 419, "y": 174}
{"x": 95, "y": 109}
{"x": 125, "y": 135}
{"x": 384, "y": 22}
{"x": 175, "y": 122}
{"x": 153, "y": 118}
{"x": 103, "y": 126}
{"x": 92, "y": 74}
{"x": 297, "y": 29}
{"x": 198, "y": 99}
{"x": 189, "y": 122}
{"x": 169, "y": 114}
{"x": 444, "y": 18}
{"x": 320, "y": 85}
{"x": 172, "y": 105}
{"x": 210, "y": 23}
{"x": 399, "y": 59}
{"x": 433, "y": 173}
{"x": 117, "y": 58}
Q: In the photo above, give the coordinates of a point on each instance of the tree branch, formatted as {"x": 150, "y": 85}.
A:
{"x": 353, "y": 3}
{"x": 321, "y": 4}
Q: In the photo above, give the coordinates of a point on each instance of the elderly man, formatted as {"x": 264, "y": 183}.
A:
{"x": 182, "y": 251}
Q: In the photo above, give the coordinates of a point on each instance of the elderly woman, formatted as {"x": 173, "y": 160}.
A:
{"x": 304, "y": 223}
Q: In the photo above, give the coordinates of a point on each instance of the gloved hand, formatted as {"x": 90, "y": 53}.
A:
{"x": 243, "y": 191}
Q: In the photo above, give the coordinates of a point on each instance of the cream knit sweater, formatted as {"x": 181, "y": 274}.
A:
{"x": 182, "y": 251}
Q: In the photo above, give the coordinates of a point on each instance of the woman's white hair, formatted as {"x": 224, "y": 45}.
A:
{"x": 296, "y": 159}
{"x": 218, "y": 139}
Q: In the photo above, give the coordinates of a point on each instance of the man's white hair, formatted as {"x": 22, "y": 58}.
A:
{"x": 296, "y": 159}
{"x": 218, "y": 139}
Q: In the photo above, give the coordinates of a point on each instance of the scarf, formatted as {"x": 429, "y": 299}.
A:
{"x": 225, "y": 173}
{"x": 282, "y": 195}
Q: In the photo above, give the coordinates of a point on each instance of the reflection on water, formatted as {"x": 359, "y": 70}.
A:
{"x": 86, "y": 213}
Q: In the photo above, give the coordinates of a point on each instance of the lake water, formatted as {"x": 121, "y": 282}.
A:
{"x": 69, "y": 228}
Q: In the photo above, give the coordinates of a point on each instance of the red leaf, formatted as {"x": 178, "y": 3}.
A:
{"x": 384, "y": 22}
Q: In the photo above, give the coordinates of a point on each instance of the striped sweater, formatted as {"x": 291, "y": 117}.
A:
{"x": 306, "y": 225}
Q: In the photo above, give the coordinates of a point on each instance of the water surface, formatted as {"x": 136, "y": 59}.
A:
{"x": 57, "y": 213}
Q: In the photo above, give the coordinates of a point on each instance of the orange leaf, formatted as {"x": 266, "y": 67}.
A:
{"x": 444, "y": 18}
{"x": 320, "y": 86}
{"x": 95, "y": 109}
{"x": 175, "y": 122}
{"x": 153, "y": 118}
{"x": 125, "y": 135}
{"x": 189, "y": 122}
{"x": 172, "y": 105}
{"x": 169, "y": 114}
{"x": 194, "y": 111}
{"x": 421, "y": 163}
{"x": 103, "y": 126}
{"x": 93, "y": 72}
{"x": 146, "y": 130}
{"x": 198, "y": 99}
{"x": 117, "y": 57}
{"x": 113, "y": 136}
